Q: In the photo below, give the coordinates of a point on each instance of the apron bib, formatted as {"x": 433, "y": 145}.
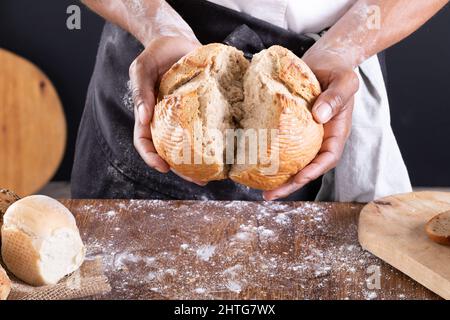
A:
{"x": 106, "y": 164}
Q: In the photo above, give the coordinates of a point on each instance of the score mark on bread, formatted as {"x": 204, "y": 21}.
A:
{"x": 217, "y": 89}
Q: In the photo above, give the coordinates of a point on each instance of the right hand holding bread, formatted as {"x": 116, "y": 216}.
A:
{"x": 333, "y": 109}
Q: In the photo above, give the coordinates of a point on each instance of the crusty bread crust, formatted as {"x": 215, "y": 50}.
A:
{"x": 300, "y": 137}
{"x": 295, "y": 74}
{"x": 5, "y": 284}
{"x": 438, "y": 228}
{"x": 188, "y": 68}
{"x": 172, "y": 122}
{"x": 19, "y": 254}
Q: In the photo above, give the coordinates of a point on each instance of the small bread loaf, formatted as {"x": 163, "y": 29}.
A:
{"x": 215, "y": 89}
{"x": 5, "y": 284}
{"x": 40, "y": 241}
{"x": 438, "y": 228}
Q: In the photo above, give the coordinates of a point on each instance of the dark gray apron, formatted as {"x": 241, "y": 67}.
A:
{"x": 106, "y": 164}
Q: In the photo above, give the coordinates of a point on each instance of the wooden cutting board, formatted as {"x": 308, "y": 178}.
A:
{"x": 393, "y": 229}
{"x": 32, "y": 126}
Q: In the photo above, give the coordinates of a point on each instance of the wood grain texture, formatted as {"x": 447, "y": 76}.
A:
{"x": 394, "y": 230}
{"x": 234, "y": 250}
{"x": 32, "y": 126}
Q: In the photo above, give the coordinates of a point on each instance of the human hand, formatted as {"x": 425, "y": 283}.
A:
{"x": 333, "y": 108}
{"x": 145, "y": 74}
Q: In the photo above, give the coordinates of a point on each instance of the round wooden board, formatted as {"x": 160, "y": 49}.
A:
{"x": 32, "y": 126}
{"x": 393, "y": 229}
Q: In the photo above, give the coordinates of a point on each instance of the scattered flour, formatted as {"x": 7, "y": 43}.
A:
{"x": 234, "y": 271}
{"x": 282, "y": 219}
{"x": 372, "y": 295}
{"x": 246, "y": 255}
{"x": 200, "y": 290}
{"x": 206, "y": 252}
{"x": 243, "y": 236}
{"x": 263, "y": 233}
{"x": 121, "y": 259}
{"x": 234, "y": 286}
{"x": 111, "y": 214}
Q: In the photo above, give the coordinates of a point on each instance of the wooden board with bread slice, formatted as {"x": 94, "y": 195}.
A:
{"x": 409, "y": 232}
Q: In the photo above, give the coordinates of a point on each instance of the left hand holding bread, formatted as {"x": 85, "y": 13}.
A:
{"x": 333, "y": 108}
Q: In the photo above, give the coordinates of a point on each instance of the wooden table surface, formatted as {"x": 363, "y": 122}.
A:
{"x": 235, "y": 250}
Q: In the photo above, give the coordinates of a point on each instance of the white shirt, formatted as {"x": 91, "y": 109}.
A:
{"x": 300, "y": 16}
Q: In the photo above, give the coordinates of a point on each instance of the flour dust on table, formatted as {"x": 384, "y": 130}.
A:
{"x": 227, "y": 250}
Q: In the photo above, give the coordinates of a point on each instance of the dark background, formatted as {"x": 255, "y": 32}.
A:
{"x": 418, "y": 71}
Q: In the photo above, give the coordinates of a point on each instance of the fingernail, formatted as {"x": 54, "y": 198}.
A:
{"x": 141, "y": 113}
{"x": 323, "y": 112}
{"x": 159, "y": 169}
{"x": 272, "y": 198}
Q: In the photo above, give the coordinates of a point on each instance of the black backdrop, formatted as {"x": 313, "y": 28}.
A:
{"x": 418, "y": 71}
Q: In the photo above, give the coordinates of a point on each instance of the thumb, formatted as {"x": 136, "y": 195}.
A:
{"x": 333, "y": 100}
{"x": 142, "y": 84}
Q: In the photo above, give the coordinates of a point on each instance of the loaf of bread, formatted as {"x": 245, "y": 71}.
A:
{"x": 40, "y": 241}
{"x": 5, "y": 284}
{"x": 438, "y": 228}
{"x": 214, "y": 105}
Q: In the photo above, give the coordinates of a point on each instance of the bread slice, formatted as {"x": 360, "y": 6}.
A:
{"x": 438, "y": 228}
{"x": 5, "y": 284}
{"x": 214, "y": 90}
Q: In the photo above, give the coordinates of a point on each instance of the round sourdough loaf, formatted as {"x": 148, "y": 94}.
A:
{"x": 40, "y": 241}
{"x": 219, "y": 116}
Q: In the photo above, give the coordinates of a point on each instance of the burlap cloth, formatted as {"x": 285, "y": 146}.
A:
{"x": 88, "y": 281}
